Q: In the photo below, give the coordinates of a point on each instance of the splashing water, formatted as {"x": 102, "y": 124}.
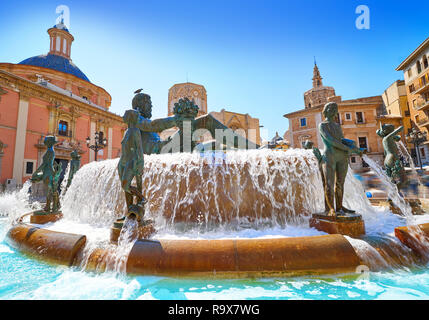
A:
{"x": 414, "y": 174}
{"x": 117, "y": 261}
{"x": 255, "y": 187}
{"x": 252, "y": 189}
{"x": 63, "y": 186}
{"x": 392, "y": 190}
{"x": 14, "y": 204}
{"x": 368, "y": 254}
{"x": 95, "y": 195}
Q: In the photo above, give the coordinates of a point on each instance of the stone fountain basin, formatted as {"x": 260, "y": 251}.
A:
{"x": 315, "y": 255}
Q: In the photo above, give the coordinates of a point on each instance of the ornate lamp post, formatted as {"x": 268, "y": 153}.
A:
{"x": 417, "y": 137}
{"x": 100, "y": 143}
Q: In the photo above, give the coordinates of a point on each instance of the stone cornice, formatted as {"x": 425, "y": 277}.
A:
{"x": 27, "y": 88}
{"x": 341, "y": 105}
{"x": 50, "y": 74}
{"x": 413, "y": 55}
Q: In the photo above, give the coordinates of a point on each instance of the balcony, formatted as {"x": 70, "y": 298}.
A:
{"x": 423, "y": 122}
{"x": 422, "y": 88}
{"x": 421, "y": 105}
{"x": 67, "y": 133}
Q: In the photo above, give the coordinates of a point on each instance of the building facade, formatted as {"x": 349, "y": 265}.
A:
{"x": 243, "y": 124}
{"x": 189, "y": 90}
{"x": 240, "y": 123}
{"x": 396, "y": 104}
{"x": 416, "y": 77}
{"x": 359, "y": 119}
{"x": 50, "y": 95}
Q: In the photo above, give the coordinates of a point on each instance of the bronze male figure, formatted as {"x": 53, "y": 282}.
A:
{"x": 335, "y": 158}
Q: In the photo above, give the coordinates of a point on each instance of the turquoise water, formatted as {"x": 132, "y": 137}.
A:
{"x": 24, "y": 278}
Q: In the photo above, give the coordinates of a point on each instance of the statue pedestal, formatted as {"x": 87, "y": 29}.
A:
{"x": 350, "y": 225}
{"x": 143, "y": 232}
{"x": 42, "y": 217}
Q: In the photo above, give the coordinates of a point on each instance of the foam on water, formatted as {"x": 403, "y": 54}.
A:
{"x": 23, "y": 278}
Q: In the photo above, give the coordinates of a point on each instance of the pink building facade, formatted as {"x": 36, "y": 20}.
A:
{"x": 49, "y": 95}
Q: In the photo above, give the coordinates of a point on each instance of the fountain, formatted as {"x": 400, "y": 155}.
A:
{"x": 394, "y": 168}
{"x": 221, "y": 213}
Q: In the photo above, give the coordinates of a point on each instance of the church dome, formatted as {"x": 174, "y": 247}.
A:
{"x": 55, "y": 62}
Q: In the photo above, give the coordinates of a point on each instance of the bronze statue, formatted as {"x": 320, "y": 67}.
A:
{"x": 58, "y": 168}
{"x": 140, "y": 138}
{"x": 45, "y": 172}
{"x": 131, "y": 162}
{"x": 74, "y": 166}
{"x": 152, "y": 144}
{"x": 392, "y": 162}
{"x": 334, "y": 161}
{"x": 186, "y": 110}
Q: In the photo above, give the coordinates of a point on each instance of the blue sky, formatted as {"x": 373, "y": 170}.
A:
{"x": 252, "y": 57}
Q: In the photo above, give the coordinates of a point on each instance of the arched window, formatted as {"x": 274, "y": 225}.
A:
{"x": 419, "y": 67}
{"x": 63, "y": 128}
{"x": 425, "y": 62}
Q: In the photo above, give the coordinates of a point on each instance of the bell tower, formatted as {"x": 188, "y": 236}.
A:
{"x": 61, "y": 40}
{"x": 317, "y": 78}
{"x": 319, "y": 94}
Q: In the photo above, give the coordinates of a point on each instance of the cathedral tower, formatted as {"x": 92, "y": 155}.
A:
{"x": 319, "y": 94}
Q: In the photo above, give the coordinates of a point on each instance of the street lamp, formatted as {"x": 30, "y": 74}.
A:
{"x": 417, "y": 137}
{"x": 100, "y": 143}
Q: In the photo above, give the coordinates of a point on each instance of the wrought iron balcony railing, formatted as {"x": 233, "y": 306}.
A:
{"x": 67, "y": 133}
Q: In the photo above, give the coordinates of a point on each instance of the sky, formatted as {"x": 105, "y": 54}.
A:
{"x": 252, "y": 57}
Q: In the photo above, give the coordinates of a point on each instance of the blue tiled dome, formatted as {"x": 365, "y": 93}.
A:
{"x": 52, "y": 61}
{"x": 61, "y": 26}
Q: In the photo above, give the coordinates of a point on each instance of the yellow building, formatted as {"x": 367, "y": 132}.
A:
{"x": 416, "y": 78}
{"x": 396, "y": 103}
{"x": 359, "y": 118}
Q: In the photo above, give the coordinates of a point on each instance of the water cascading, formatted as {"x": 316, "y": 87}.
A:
{"x": 255, "y": 187}
{"x": 404, "y": 152}
{"x": 410, "y": 220}
{"x": 391, "y": 189}
{"x": 239, "y": 188}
